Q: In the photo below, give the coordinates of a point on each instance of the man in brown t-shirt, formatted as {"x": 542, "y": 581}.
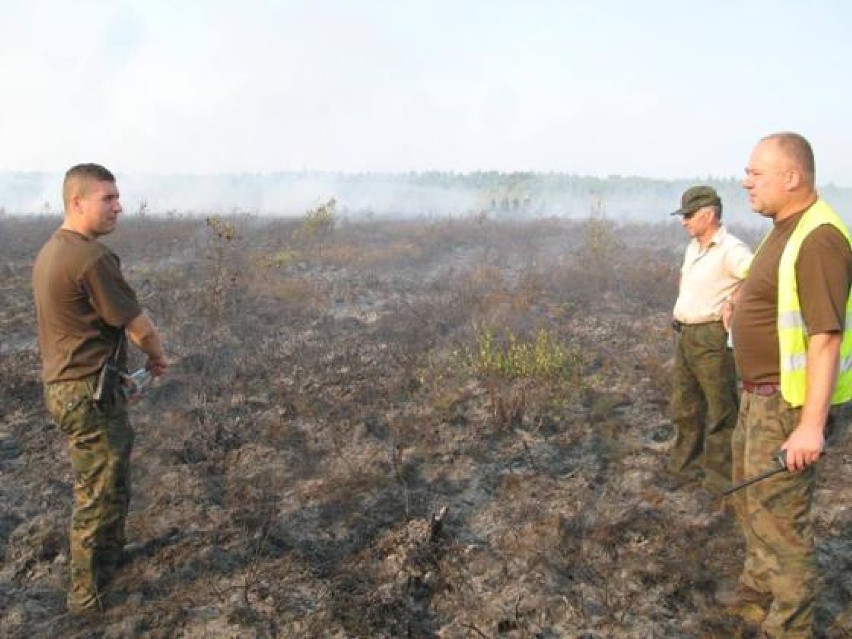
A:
{"x": 779, "y": 577}
{"x": 84, "y": 309}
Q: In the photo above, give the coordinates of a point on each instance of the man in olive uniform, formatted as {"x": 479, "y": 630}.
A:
{"x": 793, "y": 351}
{"x": 84, "y": 309}
{"x": 704, "y": 393}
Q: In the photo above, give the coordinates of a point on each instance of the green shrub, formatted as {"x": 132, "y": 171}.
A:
{"x": 542, "y": 357}
{"x": 319, "y": 222}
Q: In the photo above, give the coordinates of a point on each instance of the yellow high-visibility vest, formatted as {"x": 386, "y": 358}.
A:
{"x": 792, "y": 332}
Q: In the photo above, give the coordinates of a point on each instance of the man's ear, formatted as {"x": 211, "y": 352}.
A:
{"x": 793, "y": 179}
{"x": 74, "y": 203}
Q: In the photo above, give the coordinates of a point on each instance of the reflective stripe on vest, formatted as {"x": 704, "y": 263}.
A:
{"x": 792, "y": 332}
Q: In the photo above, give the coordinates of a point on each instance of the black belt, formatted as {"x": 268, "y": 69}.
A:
{"x": 679, "y": 326}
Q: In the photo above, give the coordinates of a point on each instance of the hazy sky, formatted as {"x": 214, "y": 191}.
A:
{"x": 666, "y": 89}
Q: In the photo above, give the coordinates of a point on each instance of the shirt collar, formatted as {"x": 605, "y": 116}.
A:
{"x": 718, "y": 238}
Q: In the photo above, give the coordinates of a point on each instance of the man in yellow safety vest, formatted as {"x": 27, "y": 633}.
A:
{"x": 793, "y": 352}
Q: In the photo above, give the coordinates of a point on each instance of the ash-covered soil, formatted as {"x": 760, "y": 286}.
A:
{"x": 339, "y": 451}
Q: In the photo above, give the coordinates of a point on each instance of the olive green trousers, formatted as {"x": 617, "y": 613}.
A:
{"x": 100, "y": 440}
{"x": 775, "y": 517}
{"x": 704, "y": 404}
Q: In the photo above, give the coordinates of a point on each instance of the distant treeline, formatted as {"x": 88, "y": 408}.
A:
{"x": 421, "y": 194}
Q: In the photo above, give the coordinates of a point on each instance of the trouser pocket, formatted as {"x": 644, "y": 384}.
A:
{"x": 71, "y": 405}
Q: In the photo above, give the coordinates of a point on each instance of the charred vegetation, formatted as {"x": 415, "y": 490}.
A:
{"x": 443, "y": 428}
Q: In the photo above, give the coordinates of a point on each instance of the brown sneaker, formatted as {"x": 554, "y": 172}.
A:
{"x": 84, "y": 611}
{"x": 746, "y": 603}
{"x": 85, "y": 606}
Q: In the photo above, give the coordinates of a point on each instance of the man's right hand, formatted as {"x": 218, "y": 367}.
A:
{"x": 803, "y": 447}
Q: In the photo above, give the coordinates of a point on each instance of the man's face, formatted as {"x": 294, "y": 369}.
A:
{"x": 766, "y": 179}
{"x": 97, "y": 208}
{"x": 698, "y": 222}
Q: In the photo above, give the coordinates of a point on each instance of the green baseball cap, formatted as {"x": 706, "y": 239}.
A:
{"x": 696, "y": 197}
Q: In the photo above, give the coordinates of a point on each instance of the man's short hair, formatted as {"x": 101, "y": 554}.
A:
{"x": 78, "y": 177}
{"x": 798, "y": 149}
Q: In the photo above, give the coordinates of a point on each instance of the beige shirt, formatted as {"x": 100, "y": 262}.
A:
{"x": 708, "y": 277}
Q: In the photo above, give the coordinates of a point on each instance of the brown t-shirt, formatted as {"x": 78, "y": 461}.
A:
{"x": 823, "y": 275}
{"x": 82, "y": 304}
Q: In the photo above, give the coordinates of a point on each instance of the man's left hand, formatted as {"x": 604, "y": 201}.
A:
{"x": 727, "y": 314}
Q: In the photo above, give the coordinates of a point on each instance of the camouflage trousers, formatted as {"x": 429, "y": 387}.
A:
{"x": 775, "y": 516}
{"x": 703, "y": 405}
{"x": 100, "y": 440}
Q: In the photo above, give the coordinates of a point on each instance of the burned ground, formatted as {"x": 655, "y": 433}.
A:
{"x": 452, "y": 428}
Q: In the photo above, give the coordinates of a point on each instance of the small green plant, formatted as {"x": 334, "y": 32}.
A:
{"x": 600, "y": 241}
{"x": 542, "y": 357}
{"x": 224, "y": 275}
{"x": 602, "y": 248}
{"x": 319, "y": 222}
{"x": 276, "y": 259}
